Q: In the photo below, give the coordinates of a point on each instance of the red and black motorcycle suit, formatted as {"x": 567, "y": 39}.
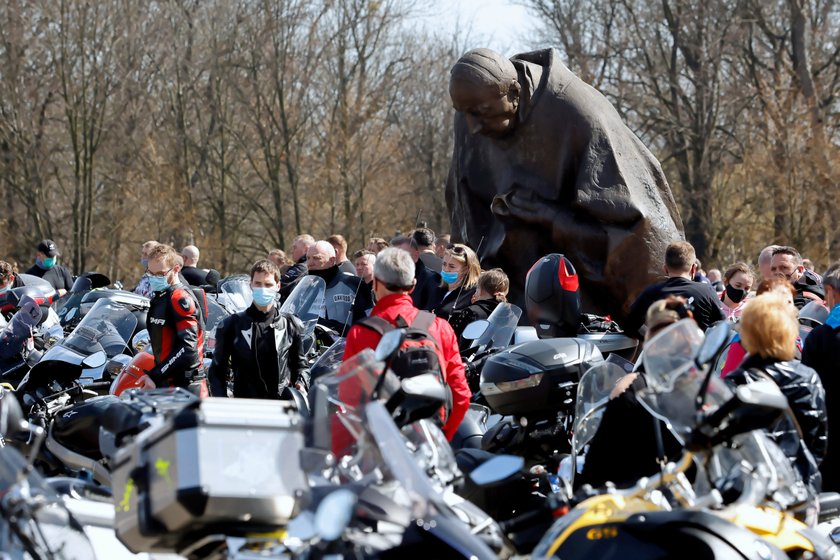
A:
{"x": 176, "y": 330}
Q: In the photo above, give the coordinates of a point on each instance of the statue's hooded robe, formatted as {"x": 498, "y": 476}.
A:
{"x": 571, "y": 178}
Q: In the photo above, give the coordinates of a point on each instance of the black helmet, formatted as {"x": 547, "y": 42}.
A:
{"x": 552, "y": 298}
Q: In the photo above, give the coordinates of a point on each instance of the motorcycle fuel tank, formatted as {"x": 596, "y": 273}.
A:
{"x": 538, "y": 377}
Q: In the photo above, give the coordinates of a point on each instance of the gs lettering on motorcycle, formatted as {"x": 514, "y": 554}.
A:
{"x": 599, "y": 533}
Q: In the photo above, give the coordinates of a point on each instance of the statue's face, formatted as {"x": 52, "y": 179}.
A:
{"x": 485, "y": 110}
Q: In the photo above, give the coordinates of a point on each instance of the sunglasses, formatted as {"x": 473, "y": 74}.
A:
{"x": 456, "y": 249}
{"x": 159, "y": 274}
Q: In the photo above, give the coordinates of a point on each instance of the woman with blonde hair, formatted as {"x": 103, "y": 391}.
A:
{"x": 459, "y": 276}
{"x": 768, "y": 332}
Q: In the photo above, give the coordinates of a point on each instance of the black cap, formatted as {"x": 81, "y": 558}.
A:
{"x": 48, "y": 247}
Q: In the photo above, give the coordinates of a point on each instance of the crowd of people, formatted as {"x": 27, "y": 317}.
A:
{"x": 397, "y": 280}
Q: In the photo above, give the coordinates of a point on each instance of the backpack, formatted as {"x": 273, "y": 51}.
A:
{"x": 419, "y": 352}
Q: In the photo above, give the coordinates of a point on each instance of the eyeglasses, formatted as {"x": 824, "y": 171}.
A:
{"x": 159, "y": 274}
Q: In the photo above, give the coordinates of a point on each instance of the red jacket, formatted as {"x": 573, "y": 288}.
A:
{"x": 389, "y": 308}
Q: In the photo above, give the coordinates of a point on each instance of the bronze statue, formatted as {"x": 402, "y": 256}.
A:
{"x": 543, "y": 163}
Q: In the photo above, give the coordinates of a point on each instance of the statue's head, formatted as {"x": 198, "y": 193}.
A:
{"x": 484, "y": 87}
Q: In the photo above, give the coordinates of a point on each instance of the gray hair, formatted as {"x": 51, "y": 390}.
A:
{"x": 324, "y": 247}
{"x": 766, "y": 254}
{"x": 394, "y": 268}
{"x": 304, "y": 238}
{"x": 832, "y": 276}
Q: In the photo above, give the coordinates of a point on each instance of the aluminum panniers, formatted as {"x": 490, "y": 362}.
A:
{"x": 220, "y": 465}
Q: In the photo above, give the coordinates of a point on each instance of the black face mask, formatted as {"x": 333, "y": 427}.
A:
{"x": 735, "y": 294}
{"x": 327, "y": 274}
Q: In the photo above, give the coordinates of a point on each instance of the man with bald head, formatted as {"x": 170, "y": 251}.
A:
{"x": 542, "y": 163}
{"x": 192, "y": 274}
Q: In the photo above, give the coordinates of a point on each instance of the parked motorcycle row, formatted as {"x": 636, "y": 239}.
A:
{"x": 96, "y": 462}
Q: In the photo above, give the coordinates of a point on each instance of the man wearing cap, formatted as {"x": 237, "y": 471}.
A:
{"x": 46, "y": 266}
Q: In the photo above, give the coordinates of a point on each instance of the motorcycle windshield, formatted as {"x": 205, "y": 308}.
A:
{"x": 669, "y": 352}
{"x": 674, "y": 380}
{"x": 330, "y": 360}
{"x": 815, "y": 312}
{"x": 39, "y": 515}
{"x": 767, "y": 463}
{"x": 338, "y": 398}
{"x": 593, "y": 394}
{"x": 502, "y": 324}
{"x": 432, "y": 453}
{"x": 107, "y": 327}
{"x": 215, "y": 314}
{"x": 306, "y": 302}
{"x": 237, "y": 292}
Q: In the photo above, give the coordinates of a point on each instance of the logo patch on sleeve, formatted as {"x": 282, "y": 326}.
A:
{"x": 185, "y": 304}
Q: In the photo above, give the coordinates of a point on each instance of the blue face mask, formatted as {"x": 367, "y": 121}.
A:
{"x": 264, "y": 296}
{"x": 46, "y": 264}
{"x": 449, "y": 277}
{"x": 144, "y": 262}
{"x": 158, "y": 284}
{"x": 6, "y": 288}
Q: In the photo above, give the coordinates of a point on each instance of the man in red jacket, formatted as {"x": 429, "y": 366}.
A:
{"x": 393, "y": 281}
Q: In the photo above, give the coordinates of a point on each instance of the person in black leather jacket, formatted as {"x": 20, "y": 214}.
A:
{"x": 768, "y": 332}
{"x": 263, "y": 347}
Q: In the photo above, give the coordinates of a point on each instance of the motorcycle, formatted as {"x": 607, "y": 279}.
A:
{"x": 34, "y": 287}
{"x": 34, "y": 522}
{"x": 18, "y": 349}
{"x": 744, "y": 491}
{"x": 371, "y": 434}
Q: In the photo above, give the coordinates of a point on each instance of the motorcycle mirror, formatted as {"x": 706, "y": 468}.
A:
{"x": 140, "y": 340}
{"x": 11, "y": 415}
{"x": 716, "y": 338}
{"x": 419, "y": 397}
{"x": 475, "y": 329}
{"x": 334, "y": 514}
{"x": 388, "y": 346}
{"x": 714, "y": 342}
{"x": 497, "y": 469}
{"x": 95, "y": 360}
{"x": 212, "y": 278}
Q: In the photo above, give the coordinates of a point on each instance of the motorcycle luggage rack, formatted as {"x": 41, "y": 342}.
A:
{"x": 167, "y": 399}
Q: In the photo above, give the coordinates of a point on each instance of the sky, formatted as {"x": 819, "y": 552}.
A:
{"x": 501, "y": 25}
